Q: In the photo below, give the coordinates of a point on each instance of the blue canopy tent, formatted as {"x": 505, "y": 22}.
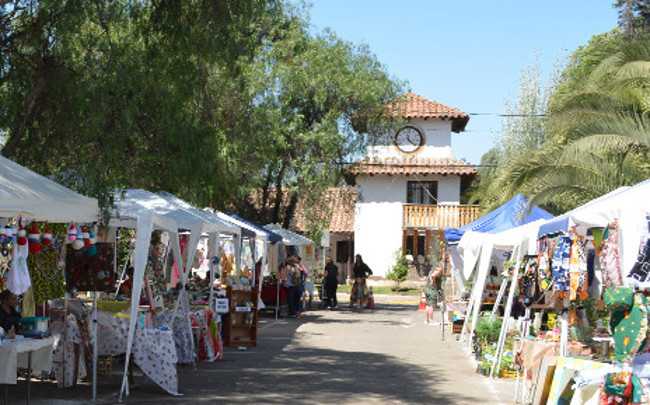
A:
{"x": 511, "y": 214}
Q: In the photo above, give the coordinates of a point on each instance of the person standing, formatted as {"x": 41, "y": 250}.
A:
{"x": 330, "y": 277}
{"x": 292, "y": 284}
{"x": 433, "y": 292}
{"x": 360, "y": 272}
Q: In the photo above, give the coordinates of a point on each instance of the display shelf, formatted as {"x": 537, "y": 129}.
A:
{"x": 240, "y": 326}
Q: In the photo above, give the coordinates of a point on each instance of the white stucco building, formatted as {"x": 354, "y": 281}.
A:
{"x": 408, "y": 186}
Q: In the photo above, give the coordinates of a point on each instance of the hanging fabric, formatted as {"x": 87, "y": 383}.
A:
{"x": 609, "y": 258}
{"x": 578, "y": 282}
{"x": 560, "y": 266}
{"x": 18, "y": 280}
{"x": 47, "y": 269}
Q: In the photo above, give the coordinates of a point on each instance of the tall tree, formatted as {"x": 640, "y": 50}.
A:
{"x": 207, "y": 99}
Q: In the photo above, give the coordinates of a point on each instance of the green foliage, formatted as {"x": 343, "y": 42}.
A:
{"x": 400, "y": 268}
{"x": 596, "y": 133}
{"x": 208, "y": 100}
{"x": 488, "y": 332}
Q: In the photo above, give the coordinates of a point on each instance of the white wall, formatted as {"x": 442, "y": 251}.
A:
{"x": 378, "y": 215}
{"x": 438, "y": 140}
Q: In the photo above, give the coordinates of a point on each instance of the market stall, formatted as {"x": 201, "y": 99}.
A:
{"x": 575, "y": 275}
{"x": 304, "y": 248}
{"x": 26, "y": 196}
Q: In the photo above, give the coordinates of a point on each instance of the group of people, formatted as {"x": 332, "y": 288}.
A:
{"x": 296, "y": 282}
{"x": 295, "y": 276}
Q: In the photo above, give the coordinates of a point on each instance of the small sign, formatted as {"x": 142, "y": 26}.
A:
{"x": 221, "y": 305}
{"x": 242, "y": 309}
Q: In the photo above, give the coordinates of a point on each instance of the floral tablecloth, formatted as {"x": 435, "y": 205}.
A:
{"x": 154, "y": 350}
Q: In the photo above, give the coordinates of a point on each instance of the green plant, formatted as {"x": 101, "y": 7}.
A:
{"x": 488, "y": 332}
{"x": 400, "y": 269}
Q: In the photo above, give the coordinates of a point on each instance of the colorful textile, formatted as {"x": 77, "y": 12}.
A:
{"x": 46, "y": 269}
{"x": 93, "y": 273}
{"x": 578, "y": 282}
{"x": 619, "y": 298}
{"x": 181, "y": 332}
{"x": 207, "y": 343}
{"x": 609, "y": 259}
{"x": 641, "y": 269}
{"x": 560, "y": 265}
{"x": 621, "y": 388}
{"x": 630, "y": 329}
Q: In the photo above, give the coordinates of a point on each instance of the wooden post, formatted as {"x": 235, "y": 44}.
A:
{"x": 415, "y": 244}
{"x": 404, "y": 236}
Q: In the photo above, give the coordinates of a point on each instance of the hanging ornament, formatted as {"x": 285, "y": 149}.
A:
{"x": 72, "y": 233}
{"x": 34, "y": 239}
{"x": 86, "y": 237}
{"x": 22, "y": 234}
{"x": 91, "y": 250}
{"x": 9, "y": 231}
{"x": 78, "y": 242}
{"x": 46, "y": 238}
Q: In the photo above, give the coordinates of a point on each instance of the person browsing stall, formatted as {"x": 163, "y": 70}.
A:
{"x": 9, "y": 316}
{"x": 433, "y": 292}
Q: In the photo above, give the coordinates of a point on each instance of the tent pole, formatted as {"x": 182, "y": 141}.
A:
{"x": 95, "y": 346}
{"x": 506, "y": 315}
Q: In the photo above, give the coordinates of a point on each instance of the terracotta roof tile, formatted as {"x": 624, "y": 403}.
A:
{"x": 411, "y": 105}
{"x": 411, "y": 166}
{"x": 340, "y": 201}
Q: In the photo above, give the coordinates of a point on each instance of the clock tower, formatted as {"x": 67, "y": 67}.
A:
{"x": 408, "y": 186}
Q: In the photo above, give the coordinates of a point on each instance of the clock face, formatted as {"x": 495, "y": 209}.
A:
{"x": 409, "y": 140}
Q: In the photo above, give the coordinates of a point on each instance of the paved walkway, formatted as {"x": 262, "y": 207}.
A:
{"x": 385, "y": 355}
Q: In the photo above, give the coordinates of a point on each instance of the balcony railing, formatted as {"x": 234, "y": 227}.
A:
{"x": 439, "y": 216}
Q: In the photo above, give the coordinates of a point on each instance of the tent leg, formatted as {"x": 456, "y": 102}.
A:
{"x": 95, "y": 347}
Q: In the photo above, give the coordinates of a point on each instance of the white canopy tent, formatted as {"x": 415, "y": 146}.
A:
{"x": 290, "y": 239}
{"x": 213, "y": 227}
{"x": 521, "y": 240}
{"x": 627, "y": 205}
{"x": 146, "y": 211}
{"x": 26, "y": 194}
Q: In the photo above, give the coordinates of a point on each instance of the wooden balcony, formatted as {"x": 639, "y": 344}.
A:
{"x": 439, "y": 216}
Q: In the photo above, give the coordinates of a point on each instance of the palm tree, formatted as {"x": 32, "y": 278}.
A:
{"x": 597, "y": 136}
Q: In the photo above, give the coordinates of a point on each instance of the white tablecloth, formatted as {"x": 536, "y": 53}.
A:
{"x": 14, "y": 354}
{"x": 154, "y": 351}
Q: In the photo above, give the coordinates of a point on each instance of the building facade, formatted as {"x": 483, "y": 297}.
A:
{"x": 408, "y": 186}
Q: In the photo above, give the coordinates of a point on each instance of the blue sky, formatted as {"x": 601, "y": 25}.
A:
{"x": 467, "y": 54}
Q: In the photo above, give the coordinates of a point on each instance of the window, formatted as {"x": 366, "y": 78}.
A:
{"x": 422, "y": 192}
{"x": 421, "y": 248}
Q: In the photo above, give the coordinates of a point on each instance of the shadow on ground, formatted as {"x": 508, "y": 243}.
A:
{"x": 278, "y": 370}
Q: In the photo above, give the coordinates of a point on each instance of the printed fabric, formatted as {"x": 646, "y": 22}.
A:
{"x": 560, "y": 266}
{"x": 578, "y": 270}
{"x": 609, "y": 259}
{"x": 641, "y": 269}
{"x": 208, "y": 349}
{"x": 47, "y": 269}
{"x": 181, "y": 332}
